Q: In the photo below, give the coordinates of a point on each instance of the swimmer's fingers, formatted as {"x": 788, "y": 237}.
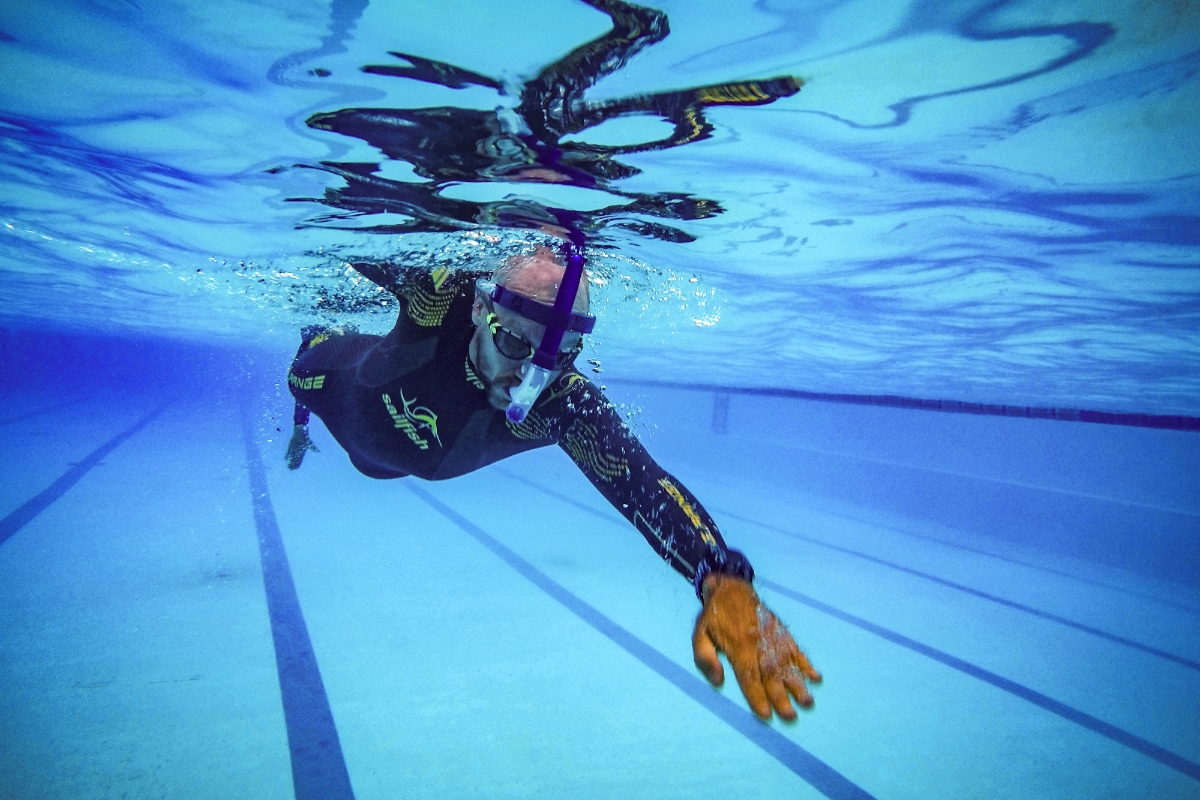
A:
{"x": 805, "y": 667}
{"x": 705, "y": 654}
{"x": 750, "y": 679}
{"x": 785, "y": 667}
{"x": 776, "y": 651}
{"x": 777, "y": 688}
{"x": 794, "y": 681}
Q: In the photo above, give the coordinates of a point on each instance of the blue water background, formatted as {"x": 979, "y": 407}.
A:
{"x": 990, "y": 202}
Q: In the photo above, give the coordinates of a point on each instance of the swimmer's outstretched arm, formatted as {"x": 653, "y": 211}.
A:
{"x": 769, "y": 667}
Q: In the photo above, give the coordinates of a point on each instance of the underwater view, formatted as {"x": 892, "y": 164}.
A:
{"x": 575, "y": 398}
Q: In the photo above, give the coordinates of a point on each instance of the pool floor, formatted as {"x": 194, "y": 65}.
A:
{"x": 168, "y": 588}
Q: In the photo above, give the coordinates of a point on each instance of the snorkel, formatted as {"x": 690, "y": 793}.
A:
{"x": 558, "y": 319}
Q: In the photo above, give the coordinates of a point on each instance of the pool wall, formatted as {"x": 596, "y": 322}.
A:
{"x": 1113, "y": 495}
{"x": 1119, "y": 496}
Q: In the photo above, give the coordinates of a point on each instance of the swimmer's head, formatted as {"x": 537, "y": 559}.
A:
{"x": 537, "y": 276}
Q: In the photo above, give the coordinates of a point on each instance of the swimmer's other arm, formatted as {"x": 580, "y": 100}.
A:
{"x": 765, "y": 659}
{"x": 298, "y": 446}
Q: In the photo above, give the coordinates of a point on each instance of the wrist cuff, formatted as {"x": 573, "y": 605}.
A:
{"x": 300, "y": 415}
{"x": 730, "y": 562}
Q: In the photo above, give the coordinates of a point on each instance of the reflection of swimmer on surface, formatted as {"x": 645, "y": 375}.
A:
{"x": 446, "y": 144}
{"x": 428, "y": 400}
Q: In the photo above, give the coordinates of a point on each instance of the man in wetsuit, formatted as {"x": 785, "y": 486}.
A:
{"x": 428, "y": 400}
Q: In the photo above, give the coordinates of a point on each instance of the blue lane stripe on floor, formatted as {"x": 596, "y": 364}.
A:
{"x": 875, "y": 524}
{"x": 1019, "y": 562}
{"x": 1137, "y": 743}
{"x": 44, "y": 410}
{"x": 1164, "y": 654}
{"x": 31, "y": 508}
{"x": 1112, "y": 637}
{"x": 1159, "y": 754}
{"x": 804, "y": 764}
{"x": 318, "y": 767}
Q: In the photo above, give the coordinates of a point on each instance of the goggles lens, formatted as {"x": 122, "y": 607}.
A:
{"x": 512, "y": 346}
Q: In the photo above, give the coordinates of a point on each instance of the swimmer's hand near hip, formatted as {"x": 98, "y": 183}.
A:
{"x": 298, "y": 446}
{"x": 765, "y": 659}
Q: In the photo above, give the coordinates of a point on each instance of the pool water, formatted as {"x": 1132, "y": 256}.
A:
{"x": 927, "y": 351}
{"x": 507, "y": 634}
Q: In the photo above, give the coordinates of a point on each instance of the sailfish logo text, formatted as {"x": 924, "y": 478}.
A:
{"x": 413, "y": 419}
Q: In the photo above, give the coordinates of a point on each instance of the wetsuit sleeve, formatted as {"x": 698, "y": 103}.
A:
{"x": 424, "y": 294}
{"x": 659, "y": 506}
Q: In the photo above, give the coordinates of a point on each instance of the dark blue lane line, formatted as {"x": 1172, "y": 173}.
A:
{"x": 1176, "y": 422}
{"x": 804, "y": 764}
{"x": 614, "y": 518}
{"x": 43, "y": 410}
{"x": 1072, "y": 576}
{"x": 1112, "y": 637}
{"x": 318, "y": 767}
{"x": 44, "y": 499}
{"x": 1159, "y": 754}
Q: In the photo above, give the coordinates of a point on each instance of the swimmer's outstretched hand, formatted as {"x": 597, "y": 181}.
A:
{"x": 298, "y": 446}
{"x": 768, "y": 664}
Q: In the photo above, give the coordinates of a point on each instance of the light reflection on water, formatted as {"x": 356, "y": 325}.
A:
{"x": 977, "y": 201}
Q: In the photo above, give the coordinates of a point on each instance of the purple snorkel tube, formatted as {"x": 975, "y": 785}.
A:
{"x": 558, "y": 320}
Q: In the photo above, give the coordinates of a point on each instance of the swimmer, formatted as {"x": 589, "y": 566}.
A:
{"x": 433, "y": 400}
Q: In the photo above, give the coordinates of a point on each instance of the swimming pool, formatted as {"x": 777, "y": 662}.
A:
{"x": 920, "y": 335}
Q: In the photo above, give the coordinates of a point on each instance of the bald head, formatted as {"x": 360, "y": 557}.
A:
{"x": 537, "y": 275}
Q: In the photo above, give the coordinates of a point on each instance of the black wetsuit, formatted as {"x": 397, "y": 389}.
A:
{"x": 409, "y": 403}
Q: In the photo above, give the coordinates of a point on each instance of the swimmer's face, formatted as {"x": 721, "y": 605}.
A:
{"x": 498, "y": 372}
{"x": 536, "y": 276}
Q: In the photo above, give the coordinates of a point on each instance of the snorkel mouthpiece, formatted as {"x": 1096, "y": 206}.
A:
{"x": 525, "y": 395}
{"x": 557, "y": 321}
